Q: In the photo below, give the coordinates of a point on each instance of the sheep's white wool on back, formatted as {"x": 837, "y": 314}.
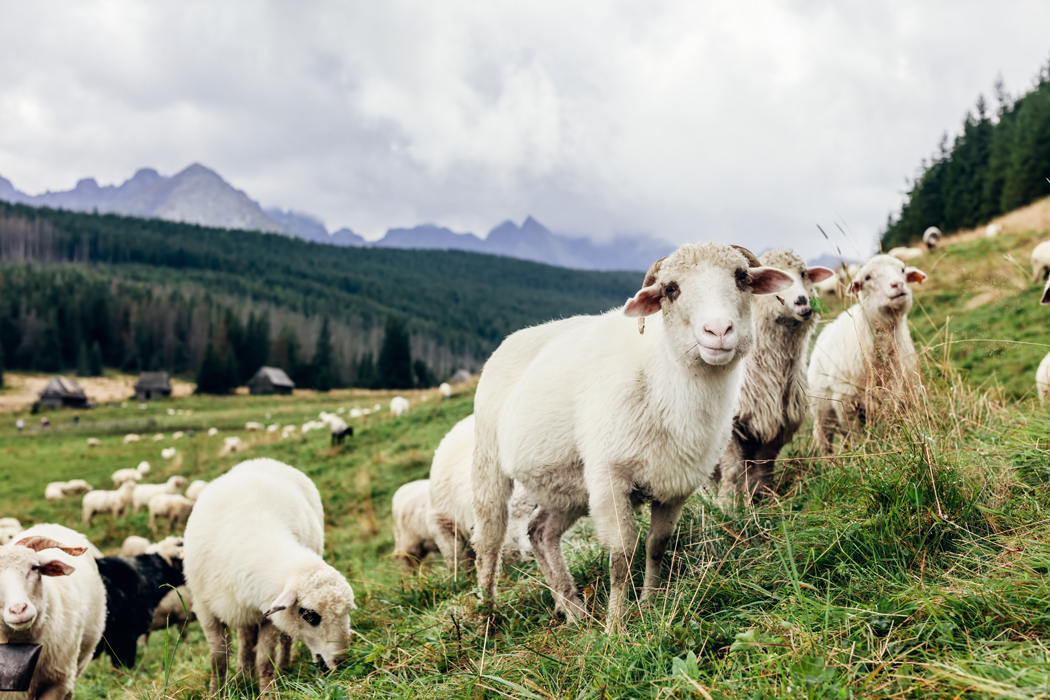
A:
{"x": 1042, "y": 378}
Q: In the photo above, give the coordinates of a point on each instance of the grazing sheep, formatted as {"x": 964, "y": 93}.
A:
{"x": 772, "y": 402}
{"x": 168, "y": 453}
{"x": 412, "y": 538}
{"x": 144, "y": 492}
{"x": 445, "y": 390}
{"x": 122, "y": 475}
{"x": 177, "y": 435}
{"x": 251, "y": 426}
{"x": 193, "y": 491}
{"x": 232, "y": 444}
{"x": 376, "y": 408}
{"x": 866, "y": 355}
{"x": 172, "y": 506}
{"x": 158, "y": 437}
{"x": 76, "y": 486}
{"x": 932, "y": 237}
{"x": 340, "y": 430}
{"x": 356, "y": 412}
{"x": 993, "y": 230}
{"x": 1041, "y": 262}
{"x": 9, "y": 529}
{"x": 254, "y": 550}
{"x": 313, "y": 425}
{"x": 212, "y": 432}
{"x": 905, "y": 254}
{"x": 134, "y": 545}
{"x": 93, "y": 442}
{"x": 176, "y": 608}
{"x": 143, "y": 467}
{"x": 130, "y": 438}
{"x": 592, "y": 415}
{"x": 52, "y": 595}
{"x": 398, "y": 405}
{"x": 55, "y": 491}
{"x": 450, "y": 517}
{"x": 134, "y": 587}
{"x": 114, "y": 502}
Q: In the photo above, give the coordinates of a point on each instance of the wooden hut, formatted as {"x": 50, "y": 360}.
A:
{"x": 270, "y": 380}
{"x": 152, "y": 385}
{"x": 63, "y": 391}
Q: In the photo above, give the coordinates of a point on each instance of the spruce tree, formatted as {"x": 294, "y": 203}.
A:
{"x": 395, "y": 358}
{"x": 83, "y": 368}
{"x": 211, "y": 379}
{"x": 366, "y": 372}
{"x": 95, "y": 360}
{"x": 1, "y": 366}
{"x": 323, "y": 364}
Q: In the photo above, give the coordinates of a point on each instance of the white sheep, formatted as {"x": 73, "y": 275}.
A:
{"x": 158, "y": 437}
{"x": 592, "y": 415}
{"x": 168, "y": 453}
{"x": 254, "y": 559}
{"x": 144, "y": 492}
{"x": 831, "y": 286}
{"x": 450, "y": 517}
{"x": 193, "y": 491}
{"x": 122, "y": 475}
{"x": 52, "y": 595}
{"x": 356, "y": 412}
{"x": 865, "y": 356}
{"x": 113, "y": 502}
{"x": 251, "y": 426}
{"x": 133, "y": 546}
{"x": 55, "y": 491}
{"x": 130, "y": 438}
{"x": 212, "y": 432}
{"x": 905, "y": 254}
{"x": 932, "y": 237}
{"x": 177, "y": 435}
{"x": 9, "y": 528}
{"x": 172, "y": 506}
{"x": 412, "y": 538}
{"x": 376, "y": 408}
{"x": 445, "y": 390}
{"x": 93, "y": 442}
{"x": 1041, "y": 262}
{"x": 773, "y": 401}
{"x": 232, "y": 444}
{"x": 143, "y": 467}
{"x": 398, "y": 405}
{"x": 339, "y": 430}
{"x": 176, "y": 608}
{"x": 75, "y": 486}
{"x": 993, "y": 230}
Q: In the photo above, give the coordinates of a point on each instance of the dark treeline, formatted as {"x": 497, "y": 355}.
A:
{"x": 1000, "y": 161}
{"x": 79, "y": 291}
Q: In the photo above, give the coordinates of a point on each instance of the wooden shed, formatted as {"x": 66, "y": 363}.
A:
{"x": 152, "y": 385}
{"x": 270, "y": 380}
{"x": 63, "y": 391}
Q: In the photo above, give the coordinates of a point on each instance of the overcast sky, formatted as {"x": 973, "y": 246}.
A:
{"x": 748, "y": 122}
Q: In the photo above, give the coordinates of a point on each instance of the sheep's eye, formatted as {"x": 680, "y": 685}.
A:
{"x": 868, "y": 278}
{"x": 310, "y": 616}
{"x": 671, "y": 291}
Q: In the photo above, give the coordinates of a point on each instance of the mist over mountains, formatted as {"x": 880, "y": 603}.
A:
{"x": 198, "y": 195}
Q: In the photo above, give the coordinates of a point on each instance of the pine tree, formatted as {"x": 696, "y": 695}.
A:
{"x": 424, "y": 378}
{"x": 83, "y": 367}
{"x": 1, "y": 366}
{"x": 95, "y": 360}
{"x": 211, "y": 379}
{"x": 366, "y": 372}
{"x": 323, "y": 364}
{"x": 395, "y": 358}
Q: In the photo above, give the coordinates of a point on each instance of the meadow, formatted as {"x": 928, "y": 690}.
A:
{"x": 914, "y": 564}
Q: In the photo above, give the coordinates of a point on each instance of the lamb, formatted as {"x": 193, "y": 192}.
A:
{"x": 168, "y": 453}
{"x": 144, "y": 492}
{"x": 450, "y": 510}
{"x": 231, "y": 444}
{"x": 254, "y": 550}
{"x": 75, "y": 486}
{"x": 130, "y": 438}
{"x": 932, "y": 237}
{"x": 830, "y": 286}
{"x": 993, "y": 230}
{"x": 445, "y": 390}
{"x": 603, "y": 413}
{"x": 174, "y": 507}
{"x": 412, "y": 538}
{"x": 55, "y": 491}
{"x": 905, "y": 254}
{"x": 134, "y": 545}
{"x": 772, "y": 402}
{"x": 134, "y": 587}
{"x": 115, "y": 502}
{"x": 398, "y": 405}
{"x": 122, "y": 475}
{"x": 866, "y": 354}
{"x": 1041, "y": 262}
{"x": 193, "y": 491}
{"x": 9, "y": 529}
{"x": 212, "y": 432}
{"x": 94, "y": 442}
{"x": 53, "y": 596}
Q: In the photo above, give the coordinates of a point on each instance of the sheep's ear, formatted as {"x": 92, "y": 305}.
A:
{"x": 1046, "y": 293}
{"x": 818, "y": 273}
{"x": 645, "y": 303}
{"x": 38, "y": 544}
{"x": 53, "y": 567}
{"x": 914, "y": 274}
{"x": 855, "y": 286}
{"x": 767, "y": 280}
{"x": 286, "y": 599}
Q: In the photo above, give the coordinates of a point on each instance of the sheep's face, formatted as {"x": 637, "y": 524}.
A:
{"x": 318, "y": 615}
{"x": 881, "y": 284}
{"x": 792, "y": 305}
{"x": 704, "y": 291}
{"x": 22, "y": 569}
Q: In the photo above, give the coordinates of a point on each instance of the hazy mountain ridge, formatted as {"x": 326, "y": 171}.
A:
{"x": 198, "y": 195}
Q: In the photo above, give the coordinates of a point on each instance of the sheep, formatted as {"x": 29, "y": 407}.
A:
{"x": 231, "y": 444}
{"x": 830, "y": 286}
{"x": 1041, "y": 262}
{"x": 450, "y": 510}
{"x": 905, "y": 254}
{"x": 773, "y": 401}
{"x": 177, "y": 435}
{"x": 143, "y": 467}
{"x": 445, "y": 390}
{"x": 55, "y": 491}
{"x": 376, "y": 408}
{"x": 193, "y": 491}
{"x": 114, "y": 502}
{"x": 53, "y": 596}
{"x": 144, "y": 492}
{"x": 398, "y": 405}
{"x": 134, "y": 587}
{"x": 251, "y": 426}
{"x": 168, "y": 453}
{"x": 932, "y": 237}
{"x": 172, "y": 506}
{"x": 158, "y": 437}
{"x": 993, "y": 230}
{"x": 340, "y": 430}
{"x": 122, "y": 475}
{"x": 176, "y": 608}
{"x": 603, "y": 413}
{"x": 212, "y": 432}
{"x": 412, "y": 538}
{"x": 866, "y": 354}
{"x": 130, "y": 438}
{"x": 75, "y": 486}
{"x": 9, "y": 529}
{"x": 254, "y": 550}
{"x": 134, "y": 545}
{"x": 94, "y": 442}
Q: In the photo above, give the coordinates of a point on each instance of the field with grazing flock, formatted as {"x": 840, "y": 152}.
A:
{"x": 915, "y": 563}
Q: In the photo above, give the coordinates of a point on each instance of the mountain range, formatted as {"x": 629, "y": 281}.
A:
{"x": 198, "y": 195}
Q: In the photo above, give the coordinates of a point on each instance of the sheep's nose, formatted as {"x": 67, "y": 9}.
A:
{"x": 897, "y": 285}
{"x": 719, "y": 327}
{"x": 17, "y": 609}
{"x": 802, "y": 300}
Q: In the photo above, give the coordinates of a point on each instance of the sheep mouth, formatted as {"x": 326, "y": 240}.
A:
{"x": 716, "y": 355}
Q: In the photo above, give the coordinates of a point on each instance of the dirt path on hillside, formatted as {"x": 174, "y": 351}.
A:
{"x": 21, "y": 391}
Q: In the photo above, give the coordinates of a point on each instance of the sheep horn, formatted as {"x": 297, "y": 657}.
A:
{"x": 38, "y": 543}
{"x": 650, "y": 277}
{"x": 752, "y": 261}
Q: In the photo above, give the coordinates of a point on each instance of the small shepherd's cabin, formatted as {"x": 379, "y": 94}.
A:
{"x": 63, "y": 391}
{"x": 152, "y": 385}
{"x": 270, "y": 380}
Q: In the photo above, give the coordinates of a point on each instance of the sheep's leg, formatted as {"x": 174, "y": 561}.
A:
{"x": 61, "y": 690}
{"x": 824, "y": 426}
{"x": 545, "y": 531}
{"x": 758, "y": 471}
{"x": 613, "y": 516}
{"x": 218, "y": 638}
{"x": 729, "y": 471}
{"x": 284, "y": 650}
{"x": 492, "y": 490}
{"x": 452, "y": 542}
{"x": 661, "y": 526}
{"x": 247, "y": 639}
{"x": 266, "y": 656}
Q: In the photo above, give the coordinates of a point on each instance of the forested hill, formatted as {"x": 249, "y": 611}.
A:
{"x": 1000, "y": 161}
{"x": 456, "y": 306}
